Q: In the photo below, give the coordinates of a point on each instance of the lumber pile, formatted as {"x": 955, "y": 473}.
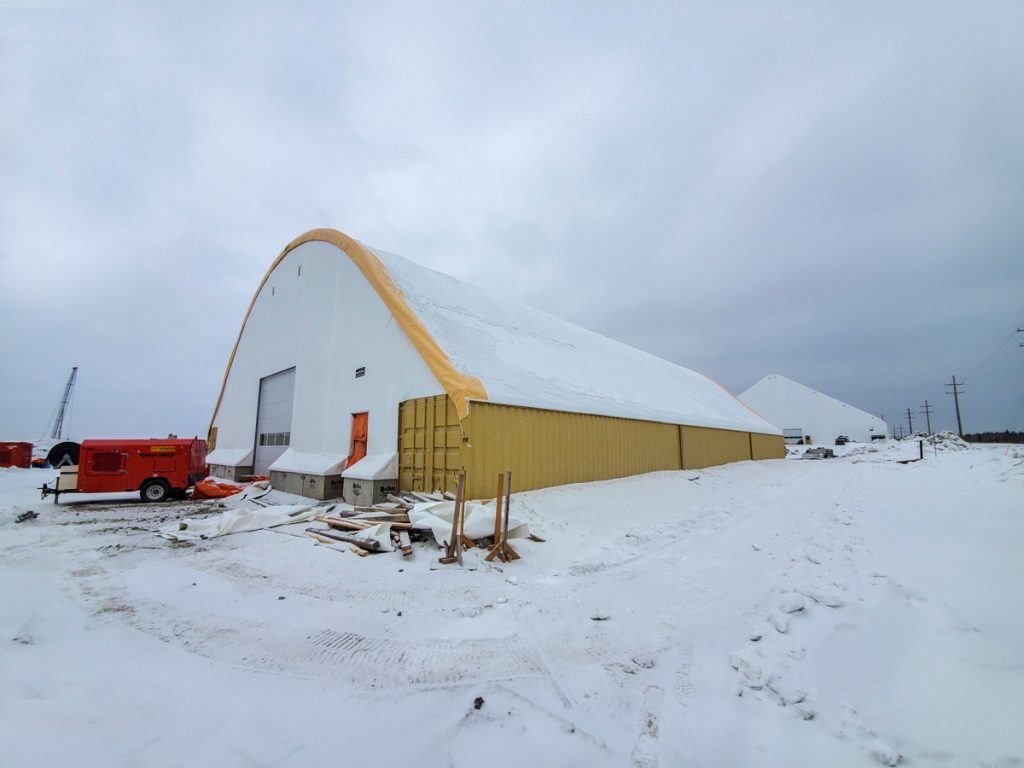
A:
{"x": 344, "y": 525}
{"x": 360, "y": 529}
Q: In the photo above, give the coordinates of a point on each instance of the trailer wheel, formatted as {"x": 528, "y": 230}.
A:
{"x": 154, "y": 491}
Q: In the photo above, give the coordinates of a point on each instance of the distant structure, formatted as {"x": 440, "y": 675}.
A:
{"x": 57, "y": 430}
{"x": 357, "y": 369}
{"x": 801, "y": 411}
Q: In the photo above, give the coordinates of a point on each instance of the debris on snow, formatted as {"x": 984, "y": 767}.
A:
{"x": 883, "y": 753}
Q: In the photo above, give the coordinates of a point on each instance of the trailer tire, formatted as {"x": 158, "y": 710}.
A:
{"x": 154, "y": 491}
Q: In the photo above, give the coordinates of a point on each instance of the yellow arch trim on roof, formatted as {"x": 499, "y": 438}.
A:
{"x": 459, "y": 387}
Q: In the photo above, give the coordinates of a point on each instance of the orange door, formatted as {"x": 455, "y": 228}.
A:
{"x": 358, "y": 449}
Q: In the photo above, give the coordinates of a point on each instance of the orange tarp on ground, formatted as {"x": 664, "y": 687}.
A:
{"x": 214, "y": 489}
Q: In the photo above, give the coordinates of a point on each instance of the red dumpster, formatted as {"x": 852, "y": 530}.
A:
{"x": 16, "y": 455}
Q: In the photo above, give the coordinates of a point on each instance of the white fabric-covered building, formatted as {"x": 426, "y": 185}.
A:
{"x": 337, "y": 329}
{"x": 790, "y": 405}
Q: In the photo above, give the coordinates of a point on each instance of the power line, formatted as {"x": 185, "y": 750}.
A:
{"x": 1001, "y": 348}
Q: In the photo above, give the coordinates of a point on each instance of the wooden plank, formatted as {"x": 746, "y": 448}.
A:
{"x": 370, "y": 546}
{"x": 395, "y": 524}
{"x": 499, "y": 499}
{"x": 319, "y": 538}
{"x": 350, "y": 525}
{"x": 404, "y": 543}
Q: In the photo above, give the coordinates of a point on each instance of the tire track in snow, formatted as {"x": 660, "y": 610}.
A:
{"x": 394, "y": 599}
{"x": 315, "y": 653}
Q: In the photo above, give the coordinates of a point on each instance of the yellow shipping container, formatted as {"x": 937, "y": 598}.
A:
{"x": 704, "y": 447}
{"x": 767, "y": 446}
{"x": 547, "y": 448}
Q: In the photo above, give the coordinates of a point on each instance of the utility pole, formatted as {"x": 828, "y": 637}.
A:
{"x": 927, "y": 411}
{"x": 956, "y": 399}
{"x": 910, "y": 423}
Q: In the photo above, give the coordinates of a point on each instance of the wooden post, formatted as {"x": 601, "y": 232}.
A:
{"x": 501, "y": 548}
{"x": 453, "y": 550}
{"x": 498, "y": 501}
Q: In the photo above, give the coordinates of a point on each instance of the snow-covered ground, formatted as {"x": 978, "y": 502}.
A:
{"x": 778, "y": 613}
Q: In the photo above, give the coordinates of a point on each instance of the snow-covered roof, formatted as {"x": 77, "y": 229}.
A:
{"x": 485, "y": 347}
{"x": 792, "y": 405}
{"x": 527, "y": 357}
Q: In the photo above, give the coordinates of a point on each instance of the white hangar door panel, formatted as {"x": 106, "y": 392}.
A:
{"x": 274, "y": 419}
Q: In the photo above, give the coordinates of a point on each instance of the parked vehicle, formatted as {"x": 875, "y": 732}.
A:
{"x": 157, "y": 469}
{"x": 16, "y": 455}
{"x": 819, "y": 453}
{"x": 842, "y": 440}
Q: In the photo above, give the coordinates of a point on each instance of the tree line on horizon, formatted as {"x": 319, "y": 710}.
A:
{"x": 995, "y": 437}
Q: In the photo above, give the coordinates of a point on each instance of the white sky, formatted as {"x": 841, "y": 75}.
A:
{"x": 830, "y": 192}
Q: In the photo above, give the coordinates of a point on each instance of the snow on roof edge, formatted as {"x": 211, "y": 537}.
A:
{"x": 531, "y": 358}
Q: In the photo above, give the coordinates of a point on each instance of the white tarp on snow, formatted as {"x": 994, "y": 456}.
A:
{"x": 478, "y": 520}
{"x": 237, "y": 521}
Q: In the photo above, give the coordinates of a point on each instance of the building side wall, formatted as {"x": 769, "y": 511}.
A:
{"x": 546, "y": 448}
{"x": 703, "y": 447}
{"x": 767, "y": 447}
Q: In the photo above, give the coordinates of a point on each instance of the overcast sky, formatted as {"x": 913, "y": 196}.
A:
{"x": 830, "y": 191}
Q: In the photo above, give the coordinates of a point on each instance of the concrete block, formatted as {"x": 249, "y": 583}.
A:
{"x": 235, "y": 474}
{"x": 368, "y": 492}
{"x": 311, "y": 486}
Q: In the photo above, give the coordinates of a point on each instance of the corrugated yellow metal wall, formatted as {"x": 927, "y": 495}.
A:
{"x": 546, "y": 448}
{"x": 429, "y": 444}
{"x": 767, "y": 446}
{"x": 703, "y": 447}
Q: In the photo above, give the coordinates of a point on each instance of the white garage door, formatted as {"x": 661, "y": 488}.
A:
{"x": 274, "y": 419}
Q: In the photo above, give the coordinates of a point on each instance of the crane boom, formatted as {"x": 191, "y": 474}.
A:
{"x": 62, "y": 408}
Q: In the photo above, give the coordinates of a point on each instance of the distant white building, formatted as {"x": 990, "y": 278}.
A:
{"x": 797, "y": 409}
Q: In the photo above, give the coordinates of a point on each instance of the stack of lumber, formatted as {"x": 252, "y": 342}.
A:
{"x": 342, "y": 525}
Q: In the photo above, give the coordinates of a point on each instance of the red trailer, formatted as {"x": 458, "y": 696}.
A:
{"x": 157, "y": 469}
{"x": 16, "y": 455}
